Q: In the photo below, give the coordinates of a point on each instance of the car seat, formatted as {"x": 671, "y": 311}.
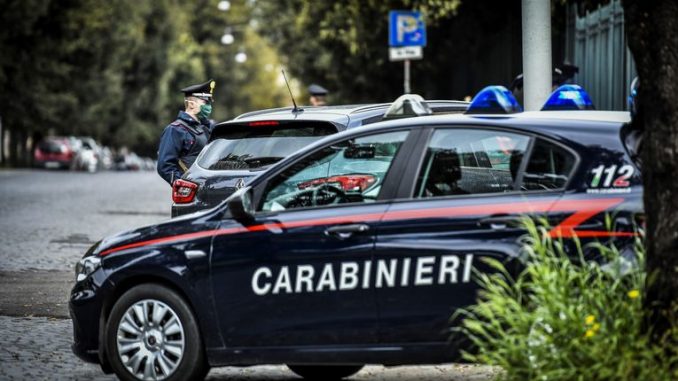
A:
{"x": 444, "y": 174}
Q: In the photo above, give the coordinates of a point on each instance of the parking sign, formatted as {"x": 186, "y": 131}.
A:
{"x": 406, "y": 28}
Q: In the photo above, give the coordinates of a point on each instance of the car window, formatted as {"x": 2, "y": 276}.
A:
{"x": 52, "y": 146}
{"x": 470, "y": 161}
{"x": 549, "y": 167}
{"x": 348, "y": 172}
{"x": 253, "y": 147}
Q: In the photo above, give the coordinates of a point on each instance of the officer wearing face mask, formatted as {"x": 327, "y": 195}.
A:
{"x": 183, "y": 139}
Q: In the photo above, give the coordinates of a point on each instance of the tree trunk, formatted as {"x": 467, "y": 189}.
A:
{"x": 652, "y": 33}
{"x": 13, "y": 148}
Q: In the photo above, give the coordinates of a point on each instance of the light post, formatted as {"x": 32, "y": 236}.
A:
{"x": 227, "y": 38}
{"x": 224, "y": 5}
{"x": 536, "y": 53}
{"x": 241, "y": 57}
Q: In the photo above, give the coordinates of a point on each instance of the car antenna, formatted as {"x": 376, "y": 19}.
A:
{"x": 295, "y": 109}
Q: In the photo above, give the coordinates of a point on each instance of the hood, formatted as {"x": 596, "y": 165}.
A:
{"x": 189, "y": 226}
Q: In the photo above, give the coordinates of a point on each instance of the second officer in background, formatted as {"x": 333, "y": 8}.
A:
{"x": 183, "y": 139}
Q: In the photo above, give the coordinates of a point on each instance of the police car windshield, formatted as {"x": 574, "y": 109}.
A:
{"x": 243, "y": 147}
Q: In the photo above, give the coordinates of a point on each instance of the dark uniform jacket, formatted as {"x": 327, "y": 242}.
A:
{"x": 180, "y": 144}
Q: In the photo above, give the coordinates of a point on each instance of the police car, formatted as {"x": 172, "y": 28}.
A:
{"x": 244, "y": 147}
{"x": 357, "y": 249}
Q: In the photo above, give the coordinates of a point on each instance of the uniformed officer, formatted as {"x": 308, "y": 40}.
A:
{"x": 633, "y": 96}
{"x": 560, "y": 76}
{"x": 318, "y": 94}
{"x": 183, "y": 139}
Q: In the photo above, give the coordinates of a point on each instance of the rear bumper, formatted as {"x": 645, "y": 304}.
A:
{"x": 183, "y": 209}
{"x": 52, "y": 164}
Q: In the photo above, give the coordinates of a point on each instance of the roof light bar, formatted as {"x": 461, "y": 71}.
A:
{"x": 494, "y": 100}
{"x": 568, "y": 97}
{"x": 406, "y": 106}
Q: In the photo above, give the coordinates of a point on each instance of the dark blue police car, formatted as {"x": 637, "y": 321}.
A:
{"x": 355, "y": 250}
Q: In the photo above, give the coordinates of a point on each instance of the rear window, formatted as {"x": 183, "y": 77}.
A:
{"x": 51, "y": 146}
{"x": 243, "y": 146}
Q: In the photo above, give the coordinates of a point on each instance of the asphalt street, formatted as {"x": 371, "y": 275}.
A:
{"x": 48, "y": 219}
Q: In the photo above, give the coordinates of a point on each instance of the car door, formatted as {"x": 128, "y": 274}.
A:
{"x": 296, "y": 276}
{"x": 460, "y": 203}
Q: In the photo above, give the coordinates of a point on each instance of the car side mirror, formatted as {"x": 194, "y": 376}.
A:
{"x": 240, "y": 206}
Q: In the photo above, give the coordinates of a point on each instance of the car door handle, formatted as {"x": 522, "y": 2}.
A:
{"x": 346, "y": 231}
{"x": 499, "y": 222}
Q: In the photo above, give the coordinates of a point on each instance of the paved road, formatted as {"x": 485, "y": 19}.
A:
{"x": 48, "y": 219}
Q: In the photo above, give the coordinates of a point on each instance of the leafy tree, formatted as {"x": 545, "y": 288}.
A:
{"x": 113, "y": 70}
{"x": 343, "y": 45}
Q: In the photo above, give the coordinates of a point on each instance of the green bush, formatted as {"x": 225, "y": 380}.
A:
{"x": 564, "y": 318}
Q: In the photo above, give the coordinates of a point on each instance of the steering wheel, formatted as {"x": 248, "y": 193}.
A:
{"x": 339, "y": 194}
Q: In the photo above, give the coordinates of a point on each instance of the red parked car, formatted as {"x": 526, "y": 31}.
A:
{"x": 54, "y": 152}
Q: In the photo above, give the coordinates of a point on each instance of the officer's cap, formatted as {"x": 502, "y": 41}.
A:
{"x": 203, "y": 90}
{"x": 317, "y": 90}
{"x": 559, "y": 76}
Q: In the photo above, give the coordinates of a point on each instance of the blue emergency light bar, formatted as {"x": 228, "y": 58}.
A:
{"x": 568, "y": 97}
{"x": 494, "y": 100}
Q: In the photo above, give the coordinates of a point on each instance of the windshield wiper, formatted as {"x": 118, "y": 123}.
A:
{"x": 263, "y": 160}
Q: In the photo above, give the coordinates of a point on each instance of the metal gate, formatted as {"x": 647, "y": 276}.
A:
{"x": 606, "y": 67}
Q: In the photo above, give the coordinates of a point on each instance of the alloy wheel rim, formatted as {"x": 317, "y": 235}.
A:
{"x": 150, "y": 340}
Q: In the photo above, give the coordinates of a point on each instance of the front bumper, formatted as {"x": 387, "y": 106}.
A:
{"x": 85, "y": 306}
{"x": 91, "y": 356}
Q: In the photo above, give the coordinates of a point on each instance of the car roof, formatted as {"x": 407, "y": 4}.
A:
{"x": 337, "y": 113}
{"x": 565, "y": 124}
{"x": 588, "y": 115}
{"x": 558, "y": 122}
{"x": 329, "y": 114}
{"x": 286, "y": 111}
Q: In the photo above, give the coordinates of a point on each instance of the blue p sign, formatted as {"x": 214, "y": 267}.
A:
{"x": 406, "y": 29}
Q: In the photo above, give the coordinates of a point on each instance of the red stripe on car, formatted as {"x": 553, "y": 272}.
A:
{"x": 585, "y": 209}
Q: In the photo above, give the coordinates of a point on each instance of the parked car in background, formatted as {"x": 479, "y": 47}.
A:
{"x": 242, "y": 148}
{"x": 88, "y": 155}
{"x": 149, "y": 164}
{"x": 54, "y": 152}
{"x": 127, "y": 160}
{"x": 106, "y": 158}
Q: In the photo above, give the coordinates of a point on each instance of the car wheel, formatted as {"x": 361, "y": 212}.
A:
{"x": 151, "y": 334}
{"x": 325, "y": 372}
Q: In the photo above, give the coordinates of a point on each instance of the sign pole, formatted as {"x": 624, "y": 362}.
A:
{"x": 406, "y": 39}
{"x": 406, "y": 82}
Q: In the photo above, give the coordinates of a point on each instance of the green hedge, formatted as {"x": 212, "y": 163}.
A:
{"x": 560, "y": 319}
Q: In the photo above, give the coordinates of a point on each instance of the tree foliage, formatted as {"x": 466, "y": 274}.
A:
{"x": 344, "y": 45}
{"x": 112, "y": 70}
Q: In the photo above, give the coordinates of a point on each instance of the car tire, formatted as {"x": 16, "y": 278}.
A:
{"x": 325, "y": 372}
{"x": 151, "y": 331}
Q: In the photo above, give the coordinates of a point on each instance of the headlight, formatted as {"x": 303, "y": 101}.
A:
{"x": 85, "y": 267}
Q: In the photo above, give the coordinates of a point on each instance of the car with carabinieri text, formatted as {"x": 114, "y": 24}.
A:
{"x": 356, "y": 249}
